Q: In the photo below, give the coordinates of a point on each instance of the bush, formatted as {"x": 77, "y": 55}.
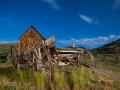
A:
{"x": 8, "y": 59}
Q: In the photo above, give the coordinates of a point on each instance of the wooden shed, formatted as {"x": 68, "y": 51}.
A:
{"x": 30, "y": 38}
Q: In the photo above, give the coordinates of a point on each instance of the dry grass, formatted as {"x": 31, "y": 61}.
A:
{"x": 66, "y": 78}
{"x": 79, "y": 79}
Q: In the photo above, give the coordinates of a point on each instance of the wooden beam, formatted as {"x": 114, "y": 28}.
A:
{"x": 116, "y": 51}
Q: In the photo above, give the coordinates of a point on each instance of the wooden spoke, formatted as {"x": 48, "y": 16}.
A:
{"x": 42, "y": 61}
{"x": 87, "y": 58}
{"x": 14, "y": 57}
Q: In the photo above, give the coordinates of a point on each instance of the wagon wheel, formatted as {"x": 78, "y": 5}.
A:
{"x": 87, "y": 58}
{"x": 42, "y": 61}
{"x": 15, "y": 57}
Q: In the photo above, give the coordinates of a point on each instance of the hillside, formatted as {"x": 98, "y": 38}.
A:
{"x": 6, "y": 47}
{"x": 112, "y": 44}
{"x": 108, "y": 48}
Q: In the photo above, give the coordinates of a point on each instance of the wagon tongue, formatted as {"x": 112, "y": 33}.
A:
{"x": 102, "y": 72}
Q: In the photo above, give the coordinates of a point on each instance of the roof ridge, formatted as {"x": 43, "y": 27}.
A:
{"x": 34, "y": 29}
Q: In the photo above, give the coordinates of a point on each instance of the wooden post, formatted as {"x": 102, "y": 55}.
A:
{"x": 104, "y": 56}
{"x": 116, "y": 51}
{"x": 19, "y": 47}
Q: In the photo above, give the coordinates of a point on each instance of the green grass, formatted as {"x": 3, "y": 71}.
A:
{"x": 66, "y": 77}
{"x": 110, "y": 64}
{"x": 5, "y": 50}
{"x": 6, "y": 47}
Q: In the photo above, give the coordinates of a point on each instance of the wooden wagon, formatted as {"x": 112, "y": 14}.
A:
{"x": 45, "y": 55}
{"x": 42, "y": 53}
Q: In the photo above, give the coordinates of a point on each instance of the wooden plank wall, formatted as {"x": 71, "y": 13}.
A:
{"x": 29, "y": 39}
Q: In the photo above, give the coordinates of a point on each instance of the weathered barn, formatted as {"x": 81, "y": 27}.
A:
{"x": 30, "y": 38}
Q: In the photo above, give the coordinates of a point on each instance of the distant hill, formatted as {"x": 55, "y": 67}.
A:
{"x": 108, "y": 48}
{"x": 113, "y": 44}
{"x": 6, "y": 47}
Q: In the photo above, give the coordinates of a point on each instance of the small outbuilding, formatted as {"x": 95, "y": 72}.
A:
{"x": 30, "y": 38}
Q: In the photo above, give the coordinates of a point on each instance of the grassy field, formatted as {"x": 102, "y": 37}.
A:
{"x": 5, "y": 50}
{"x": 66, "y": 78}
{"x": 6, "y": 47}
{"x": 110, "y": 64}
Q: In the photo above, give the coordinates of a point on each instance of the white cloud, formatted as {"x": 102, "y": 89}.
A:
{"x": 53, "y": 4}
{"x": 91, "y": 42}
{"x": 112, "y": 36}
{"x": 86, "y": 18}
{"x": 116, "y": 4}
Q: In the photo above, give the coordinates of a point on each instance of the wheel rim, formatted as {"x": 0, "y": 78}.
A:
{"x": 42, "y": 61}
{"x": 14, "y": 56}
{"x": 87, "y": 58}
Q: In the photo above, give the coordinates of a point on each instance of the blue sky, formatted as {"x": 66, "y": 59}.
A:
{"x": 87, "y": 23}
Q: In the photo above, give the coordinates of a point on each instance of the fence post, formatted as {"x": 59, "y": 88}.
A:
{"x": 116, "y": 51}
{"x": 103, "y": 55}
